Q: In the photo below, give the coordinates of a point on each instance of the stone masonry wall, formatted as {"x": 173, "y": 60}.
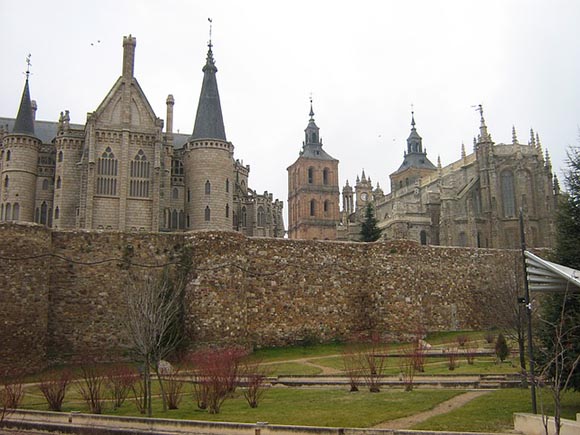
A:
{"x": 252, "y": 291}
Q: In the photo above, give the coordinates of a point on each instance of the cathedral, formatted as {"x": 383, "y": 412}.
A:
{"x": 122, "y": 171}
{"x": 472, "y": 202}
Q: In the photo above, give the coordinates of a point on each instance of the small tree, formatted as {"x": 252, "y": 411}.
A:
{"x": 351, "y": 359}
{"x": 254, "y": 376}
{"x": 91, "y": 387}
{"x": 120, "y": 382}
{"x": 370, "y": 231}
{"x": 174, "y": 386}
{"x": 501, "y": 348}
{"x": 53, "y": 387}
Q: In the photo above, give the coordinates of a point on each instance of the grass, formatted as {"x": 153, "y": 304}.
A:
{"x": 292, "y": 368}
{"x": 493, "y": 412}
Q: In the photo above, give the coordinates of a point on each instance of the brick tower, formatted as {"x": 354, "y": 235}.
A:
{"x": 313, "y": 193}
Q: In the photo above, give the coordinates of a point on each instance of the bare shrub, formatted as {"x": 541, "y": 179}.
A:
{"x": 462, "y": 340}
{"x": 489, "y": 337}
{"x": 173, "y": 387}
{"x": 470, "y": 354}
{"x": 254, "y": 376}
{"x": 217, "y": 375}
{"x": 452, "y": 358}
{"x": 120, "y": 381}
{"x": 11, "y": 390}
{"x": 91, "y": 387}
{"x": 373, "y": 363}
{"x": 139, "y": 389}
{"x": 53, "y": 387}
{"x": 351, "y": 359}
{"x": 407, "y": 367}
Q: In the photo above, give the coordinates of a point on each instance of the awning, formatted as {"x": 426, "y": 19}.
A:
{"x": 545, "y": 276}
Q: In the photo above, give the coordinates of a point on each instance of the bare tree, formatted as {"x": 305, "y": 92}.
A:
{"x": 153, "y": 309}
{"x": 53, "y": 387}
{"x": 91, "y": 387}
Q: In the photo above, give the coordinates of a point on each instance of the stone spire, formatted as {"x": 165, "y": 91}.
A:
{"x": 312, "y": 130}
{"x": 209, "y": 122}
{"x": 24, "y": 123}
{"x": 414, "y": 141}
{"x": 514, "y": 135}
{"x": 463, "y": 150}
{"x": 532, "y": 138}
{"x": 483, "y": 133}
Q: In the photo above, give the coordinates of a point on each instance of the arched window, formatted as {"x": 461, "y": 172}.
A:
{"x": 326, "y": 206}
{"x": 8, "y": 155}
{"x": 207, "y": 188}
{"x": 107, "y": 169}
{"x": 325, "y": 176}
{"x": 6, "y": 181}
{"x": 312, "y": 207}
{"x": 227, "y": 210}
{"x": 508, "y": 194}
{"x": 44, "y": 213}
{"x": 56, "y": 213}
{"x": 207, "y": 213}
{"x": 58, "y": 183}
{"x": 60, "y": 156}
{"x": 423, "y": 236}
{"x": 1, "y": 212}
{"x": 175, "y": 193}
{"x": 45, "y": 184}
{"x": 174, "y": 218}
{"x": 244, "y": 217}
{"x": 227, "y": 185}
{"x": 188, "y": 196}
{"x": 181, "y": 219}
{"x": 261, "y": 217}
{"x": 15, "y": 211}
{"x": 310, "y": 175}
{"x": 8, "y": 212}
{"x": 139, "y": 183}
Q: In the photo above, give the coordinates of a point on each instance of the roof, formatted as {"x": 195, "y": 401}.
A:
{"x": 315, "y": 151}
{"x": 545, "y": 276}
{"x": 43, "y": 130}
{"x": 415, "y": 160}
{"x": 24, "y": 121}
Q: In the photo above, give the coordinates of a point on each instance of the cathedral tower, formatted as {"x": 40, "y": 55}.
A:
{"x": 20, "y": 166}
{"x": 208, "y": 161}
{"x": 313, "y": 193}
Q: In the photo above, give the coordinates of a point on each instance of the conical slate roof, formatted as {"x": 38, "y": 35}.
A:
{"x": 24, "y": 123}
{"x": 209, "y": 122}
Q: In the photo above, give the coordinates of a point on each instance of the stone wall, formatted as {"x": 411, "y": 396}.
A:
{"x": 257, "y": 292}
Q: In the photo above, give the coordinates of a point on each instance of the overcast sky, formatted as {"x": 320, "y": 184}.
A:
{"x": 365, "y": 63}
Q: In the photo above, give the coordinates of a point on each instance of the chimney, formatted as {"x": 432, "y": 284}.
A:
{"x": 34, "y": 107}
{"x": 170, "y": 102}
{"x": 129, "y": 44}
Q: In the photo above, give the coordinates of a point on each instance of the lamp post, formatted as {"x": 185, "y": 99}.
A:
{"x": 528, "y": 315}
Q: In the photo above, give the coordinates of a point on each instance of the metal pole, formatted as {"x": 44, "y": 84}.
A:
{"x": 529, "y": 315}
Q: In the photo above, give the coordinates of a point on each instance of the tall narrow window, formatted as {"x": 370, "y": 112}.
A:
{"x": 312, "y": 207}
{"x": 175, "y": 194}
{"x": 423, "y": 236}
{"x": 56, "y": 213}
{"x": 310, "y": 175}
{"x": 508, "y": 194}
{"x": 58, "y": 183}
{"x": 261, "y": 217}
{"x": 107, "y": 169}
{"x": 227, "y": 185}
{"x": 207, "y": 187}
{"x": 60, "y": 156}
{"x": 325, "y": 176}
{"x": 207, "y": 214}
{"x": 174, "y": 218}
{"x": 45, "y": 184}
{"x": 8, "y": 212}
{"x": 15, "y": 211}
{"x": 181, "y": 219}
{"x": 8, "y": 155}
{"x": 44, "y": 213}
{"x": 227, "y": 210}
{"x": 244, "y": 217}
{"x": 139, "y": 183}
{"x": 6, "y": 181}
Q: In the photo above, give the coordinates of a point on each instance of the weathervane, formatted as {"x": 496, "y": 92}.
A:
{"x": 210, "y": 24}
{"x": 28, "y": 65}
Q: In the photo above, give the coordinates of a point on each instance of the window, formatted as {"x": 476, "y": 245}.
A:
{"x": 43, "y": 213}
{"x": 227, "y": 210}
{"x": 462, "y": 239}
{"x": 326, "y": 206}
{"x": 8, "y": 212}
{"x": 325, "y": 176}
{"x": 15, "y": 211}
{"x": 181, "y": 219}
{"x": 56, "y": 213}
{"x": 176, "y": 167}
{"x": 139, "y": 183}
{"x": 227, "y": 185}
{"x": 1, "y": 212}
{"x": 207, "y": 188}
{"x": 58, "y": 183}
{"x": 507, "y": 194}
{"x": 244, "y": 217}
{"x": 6, "y": 181}
{"x": 207, "y": 214}
{"x": 174, "y": 219}
{"x": 60, "y": 156}
{"x": 188, "y": 197}
{"x": 175, "y": 193}
{"x": 261, "y": 217}
{"x": 312, "y": 207}
{"x": 423, "y": 236}
{"x": 8, "y": 155}
{"x": 107, "y": 168}
{"x": 310, "y": 175}
{"x": 45, "y": 184}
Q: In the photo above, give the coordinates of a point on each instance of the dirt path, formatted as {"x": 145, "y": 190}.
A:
{"x": 442, "y": 408}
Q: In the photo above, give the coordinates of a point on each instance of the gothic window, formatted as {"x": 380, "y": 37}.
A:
{"x": 176, "y": 167}
{"x": 58, "y": 183}
{"x": 8, "y": 155}
{"x": 174, "y": 217}
{"x": 244, "y": 217}
{"x": 107, "y": 169}
{"x": 227, "y": 210}
{"x": 1, "y": 212}
{"x": 6, "y": 181}
{"x": 43, "y": 213}
{"x": 45, "y": 184}
{"x": 56, "y": 213}
{"x": 181, "y": 219}
{"x": 326, "y": 206}
{"x": 140, "y": 170}
{"x": 60, "y": 156}
{"x": 207, "y": 188}
{"x": 227, "y": 185}
{"x": 310, "y": 175}
{"x": 15, "y": 211}
{"x": 188, "y": 197}
{"x": 312, "y": 207}
{"x": 508, "y": 194}
{"x": 187, "y": 219}
{"x": 462, "y": 239}
{"x": 207, "y": 213}
{"x": 8, "y": 212}
{"x": 325, "y": 174}
{"x": 261, "y": 217}
{"x": 477, "y": 201}
{"x": 37, "y": 215}
{"x": 423, "y": 236}
{"x": 235, "y": 220}
{"x": 175, "y": 193}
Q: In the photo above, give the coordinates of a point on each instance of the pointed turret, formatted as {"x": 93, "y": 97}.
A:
{"x": 514, "y": 135}
{"x": 463, "y": 150}
{"x": 532, "y": 141}
{"x": 484, "y": 135}
{"x": 414, "y": 141}
{"x": 24, "y": 123}
{"x": 209, "y": 123}
{"x": 312, "y": 131}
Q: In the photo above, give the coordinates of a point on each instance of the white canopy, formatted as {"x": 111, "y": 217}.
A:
{"x": 545, "y": 276}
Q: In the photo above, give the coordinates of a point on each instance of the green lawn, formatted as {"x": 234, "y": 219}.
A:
{"x": 493, "y": 412}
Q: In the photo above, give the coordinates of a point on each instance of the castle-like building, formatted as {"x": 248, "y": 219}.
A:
{"x": 122, "y": 171}
{"x": 473, "y": 202}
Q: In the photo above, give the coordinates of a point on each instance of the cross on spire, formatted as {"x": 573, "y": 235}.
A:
{"x": 28, "y": 65}
{"x": 209, "y": 44}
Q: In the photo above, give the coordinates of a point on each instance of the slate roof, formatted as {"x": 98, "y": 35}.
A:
{"x": 24, "y": 122}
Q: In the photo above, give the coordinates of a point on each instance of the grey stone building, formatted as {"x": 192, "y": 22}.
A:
{"x": 122, "y": 171}
{"x": 474, "y": 201}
